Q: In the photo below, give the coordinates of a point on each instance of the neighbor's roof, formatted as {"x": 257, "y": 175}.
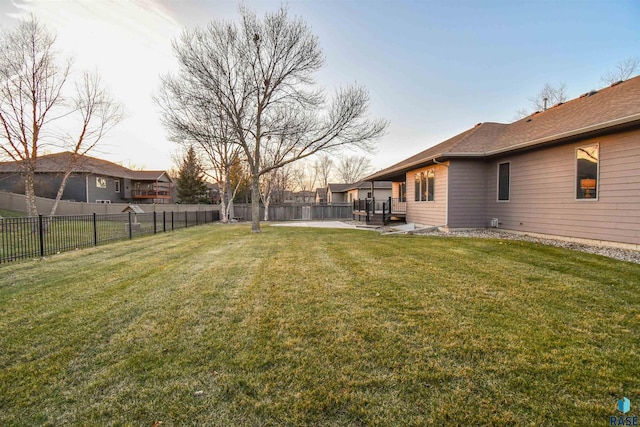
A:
{"x": 338, "y": 188}
{"x": 379, "y": 185}
{"x": 54, "y": 163}
{"x": 594, "y": 111}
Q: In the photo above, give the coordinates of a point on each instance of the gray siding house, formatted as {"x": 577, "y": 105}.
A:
{"x": 92, "y": 180}
{"x": 379, "y": 190}
{"x": 572, "y": 170}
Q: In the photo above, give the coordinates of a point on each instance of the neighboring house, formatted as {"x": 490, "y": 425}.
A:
{"x": 213, "y": 192}
{"x": 379, "y": 190}
{"x": 92, "y": 180}
{"x": 303, "y": 197}
{"x": 337, "y": 193}
{"x": 321, "y": 195}
{"x": 572, "y": 170}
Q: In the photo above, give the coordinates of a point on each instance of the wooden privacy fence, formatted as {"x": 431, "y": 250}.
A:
{"x": 297, "y": 211}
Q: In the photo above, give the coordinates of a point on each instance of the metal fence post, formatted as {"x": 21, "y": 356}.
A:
{"x": 186, "y": 219}
{"x": 95, "y": 230}
{"x": 164, "y": 221}
{"x": 155, "y": 225}
{"x": 171, "y": 220}
{"x": 130, "y": 233}
{"x": 384, "y": 213}
{"x": 41, "y": 234}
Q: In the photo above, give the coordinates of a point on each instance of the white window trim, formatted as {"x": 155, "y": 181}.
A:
{"x": 117, "y": 185}
{"x": 575, "y": 174}
{"x": 433, "y": 195}
{"x": 498, "y": 182}
{"x": 104, "y": 181}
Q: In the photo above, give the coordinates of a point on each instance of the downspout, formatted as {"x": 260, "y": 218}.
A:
{"x": 86, "y": 187}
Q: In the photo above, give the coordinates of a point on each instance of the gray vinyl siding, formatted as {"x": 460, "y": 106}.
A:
{"x": 47, "y": 185}
{"x": 428, "y": 213}
{"x": 380, "y": 194}
{"x": 543, "y": 196}
{"x": 467, "y": 194}
{"x": 108, "y": 193}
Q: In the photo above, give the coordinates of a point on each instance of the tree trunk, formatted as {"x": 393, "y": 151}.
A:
{"x": 229, "y": 194}
{"x": 63, "y": 184}
{"x": 30, "y": 192}
{"x": 223, "y": 207}
{"x": 230, "y": 211}
{"x": 267, "y": 202}
{"x": 255, "y": 203}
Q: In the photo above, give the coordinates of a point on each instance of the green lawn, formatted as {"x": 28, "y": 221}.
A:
{"x": 214, "y": 325}
{"x": 11, "y": 214}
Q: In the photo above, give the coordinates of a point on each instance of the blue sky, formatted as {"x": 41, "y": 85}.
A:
{"x": 432, "y": 68}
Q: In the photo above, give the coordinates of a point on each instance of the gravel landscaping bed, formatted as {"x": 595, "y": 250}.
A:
{"x": 616, "y": 253}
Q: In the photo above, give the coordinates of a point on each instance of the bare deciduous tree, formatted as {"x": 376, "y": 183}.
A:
{"x": 622, "y": 71}
{"x": 352, "y": 169}
{"x": 273, "y": 187}
{"x": 548, "y": 96}
{"x": 191, "y": 120}
{"x": 257, "y": 76}
{"x": 304, "y": 176}
{"x": 324, "y": 168}
{"x": 34, "y": 107}
{"x": 98, "y": 113}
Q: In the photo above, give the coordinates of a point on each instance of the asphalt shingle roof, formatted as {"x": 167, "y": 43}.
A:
{"x": 55, "y": 163}
{"x": 595, "y": 110}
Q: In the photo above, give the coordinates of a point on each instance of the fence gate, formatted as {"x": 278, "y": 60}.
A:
{"x": 306, "y": 213}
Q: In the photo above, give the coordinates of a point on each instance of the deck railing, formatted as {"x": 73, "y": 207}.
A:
{"x": 386, "y": 207}
{"x": 150, "y": 193}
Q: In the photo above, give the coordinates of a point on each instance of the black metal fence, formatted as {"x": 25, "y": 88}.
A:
{"x": 33, "y": 237}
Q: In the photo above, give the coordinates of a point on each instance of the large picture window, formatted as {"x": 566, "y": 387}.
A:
{"x": 504, "y": 181}
{"x": 587, "y": 162}
{"x": 425, "y": 186}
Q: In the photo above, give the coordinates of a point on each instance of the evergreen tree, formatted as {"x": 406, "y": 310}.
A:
{"x": 190, "y": 184}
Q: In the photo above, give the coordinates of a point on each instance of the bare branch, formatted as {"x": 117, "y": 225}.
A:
{"x": 622, "y": 70}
